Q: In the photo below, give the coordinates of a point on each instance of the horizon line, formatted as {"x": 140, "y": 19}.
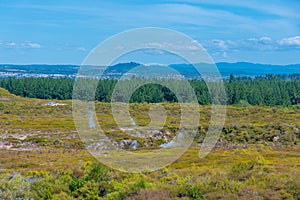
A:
{"x": 66, "y": 64}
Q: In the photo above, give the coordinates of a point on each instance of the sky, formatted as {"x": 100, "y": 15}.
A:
{"x": 65, "y": 31}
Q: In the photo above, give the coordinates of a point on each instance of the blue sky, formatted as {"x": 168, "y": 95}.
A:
{"x": 64, "y": 31}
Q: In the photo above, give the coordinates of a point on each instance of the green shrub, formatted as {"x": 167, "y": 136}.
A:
{"x": 76, "y": 183}
{"x": 243, "y": 166}
{"x": 141, "y": 184}
{"x": 15, "y": 188}
{"x": 95, "y": 172}
{"x": 88, "y": 191}
{"x": 191, "y": 191}
{"x": 62, "y": 196}
{"x": 195, "y": 192}
{"x": 42, "y": 189}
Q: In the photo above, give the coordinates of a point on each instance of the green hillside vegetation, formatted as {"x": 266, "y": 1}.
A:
{"x": 270, "y": 90}
{"x": 42, "y": 156}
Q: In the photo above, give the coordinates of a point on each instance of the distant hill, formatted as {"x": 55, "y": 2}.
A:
{"x": 243, "y": 68}
{"x": 238, "y": 69}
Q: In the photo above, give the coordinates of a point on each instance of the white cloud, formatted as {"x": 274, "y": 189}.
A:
{"x": 292, "y": 41}
{"x": 221, "y": 44}
{"x": 178, "y": 45}
{"x": 154, "y": 51}
{"x": 24, "y": 45}
{"x": 10, "y": 44}
{"x": 32, "y": 45}
{"x": 266, "y": 39}
{"x": 261, "y": 41}
{"x": 81, "y": 49}
{"x": 253, "y": 44}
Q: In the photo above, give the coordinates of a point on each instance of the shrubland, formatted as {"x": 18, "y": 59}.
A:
{"x": 42, "y": 156}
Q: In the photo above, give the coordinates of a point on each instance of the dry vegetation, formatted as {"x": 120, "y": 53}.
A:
{"x": 41, "y": 156}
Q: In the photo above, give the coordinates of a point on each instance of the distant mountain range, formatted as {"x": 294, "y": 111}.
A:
{"x": 187, "y": 70}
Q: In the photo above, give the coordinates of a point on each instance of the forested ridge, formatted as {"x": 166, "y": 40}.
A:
{"x": 270, "y": 90}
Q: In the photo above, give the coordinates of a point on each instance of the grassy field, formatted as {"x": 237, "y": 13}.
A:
{"x": 42, "y": 157}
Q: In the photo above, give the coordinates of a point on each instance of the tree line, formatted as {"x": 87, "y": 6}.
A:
{"x": 269, "y": 90}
